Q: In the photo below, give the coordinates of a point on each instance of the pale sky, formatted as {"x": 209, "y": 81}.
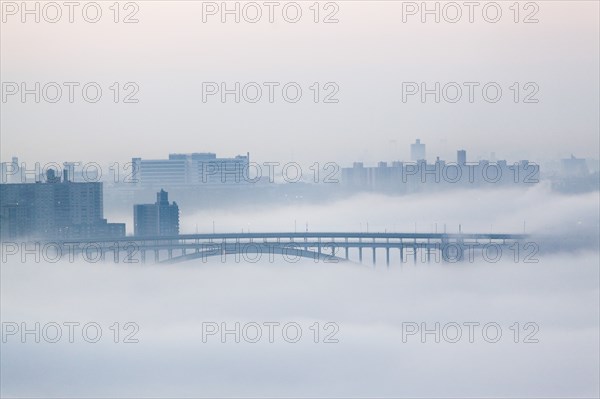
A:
{"x": 368, "y": 54}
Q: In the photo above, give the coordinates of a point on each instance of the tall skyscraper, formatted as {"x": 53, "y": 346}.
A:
{"x": 417, "y": 151}
{"x": 158, "y": 219}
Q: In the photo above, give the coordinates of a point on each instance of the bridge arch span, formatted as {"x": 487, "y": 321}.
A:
{"x": 289, "y": 254}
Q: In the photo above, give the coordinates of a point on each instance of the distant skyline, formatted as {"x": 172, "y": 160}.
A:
{"x": 402, "y": 154}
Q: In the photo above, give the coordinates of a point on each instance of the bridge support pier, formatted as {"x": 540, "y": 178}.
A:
{"x": 387, "y": 256}
{"x": 360, "y": 258}
{"x": 374, "y": 250}
{"x": 346, "y": 240}
{"x": 374, "y": 257}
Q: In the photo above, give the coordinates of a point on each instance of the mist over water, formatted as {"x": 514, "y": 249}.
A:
{"x": 300, "y": 116}
{"x": 369, "y": 306}
{"x": 497, "y": 210}
{"x": 559, "y": 294}
{"x": 571, "y": 221}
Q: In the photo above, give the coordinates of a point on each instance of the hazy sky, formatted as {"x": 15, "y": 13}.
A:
{"x": 368, "y": 54}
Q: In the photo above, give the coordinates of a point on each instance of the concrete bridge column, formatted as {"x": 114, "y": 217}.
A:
{"x": 387, "y": 256}
{"x": 347, "y": 257}
{"x": 360, "y": 250}
{"x": 374, "y": 252}
{"x": 374, "y": 256}
{"x": 428, "y": 252}
{"x": 443, "y": 244}
{"x": 415, "y": 254}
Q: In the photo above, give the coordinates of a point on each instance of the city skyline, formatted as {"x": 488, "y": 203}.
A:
{"x": 491, "y": 155}
{"x": 300, "y": 199}
{"x": 401, "y": 149}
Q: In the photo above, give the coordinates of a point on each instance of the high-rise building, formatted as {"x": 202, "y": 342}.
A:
{"x": 158, "y": 219}
{"x": 416, "y": 176}
{"x": 54, "y": 209}
{"x": 417, "y": 151}
{"x": 573, "y": 166}
{"x": 191, "y": 169}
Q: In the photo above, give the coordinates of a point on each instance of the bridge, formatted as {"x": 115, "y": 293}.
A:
{"x": 327, "y": 247}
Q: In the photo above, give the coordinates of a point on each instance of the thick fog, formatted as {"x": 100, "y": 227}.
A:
{"x": 170, "y": 303}
{"x": 374, "y": 310}
{"x": 370, "y": 78}
{"x": 572, "y": 219}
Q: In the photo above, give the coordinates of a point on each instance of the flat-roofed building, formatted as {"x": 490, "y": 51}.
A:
{"x": 54, "y": 209}
{"x": 158, "y": 219}
{"x": 191, "y": 170}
